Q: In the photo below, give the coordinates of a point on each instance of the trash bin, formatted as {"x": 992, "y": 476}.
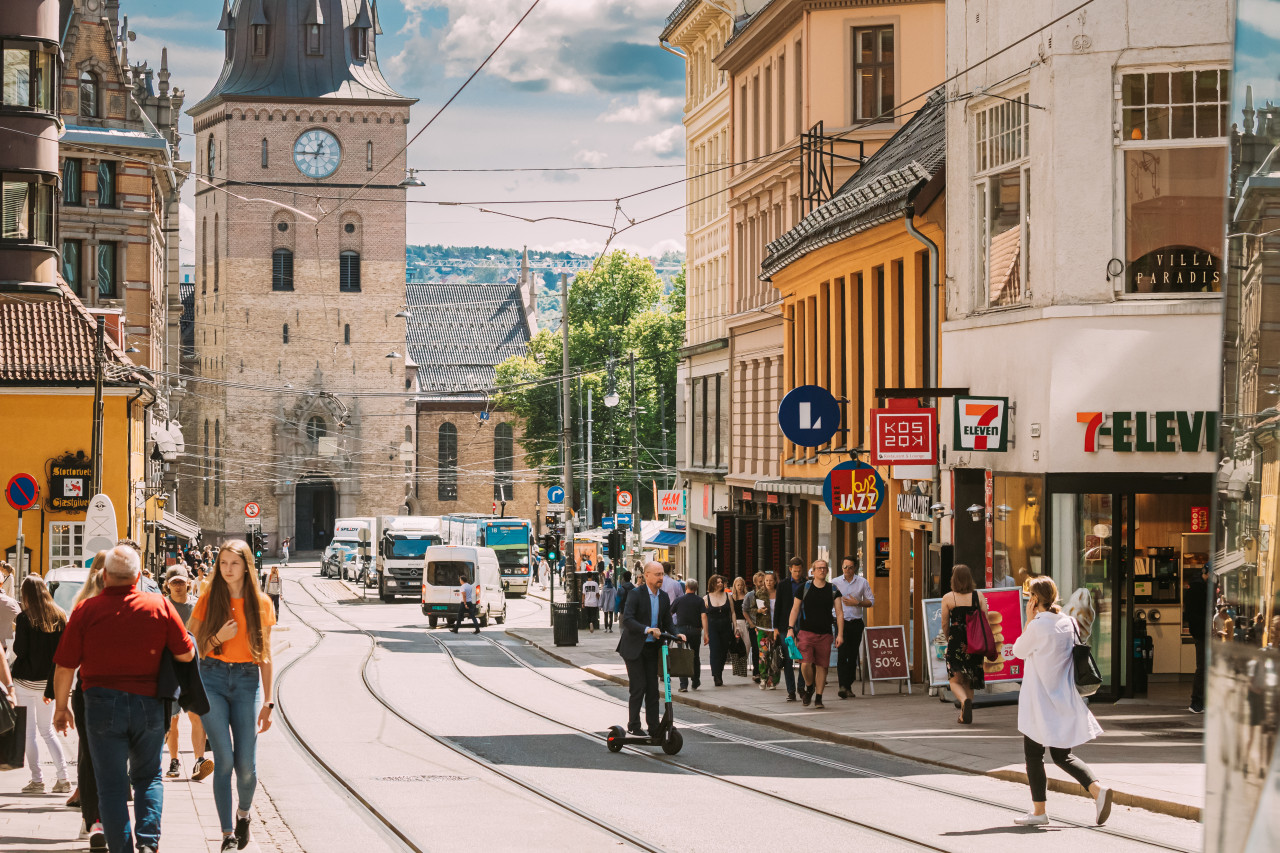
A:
{"x": 564, "y": 629}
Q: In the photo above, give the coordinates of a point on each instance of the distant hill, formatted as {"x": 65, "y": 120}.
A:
{"x": 488, "y": 265}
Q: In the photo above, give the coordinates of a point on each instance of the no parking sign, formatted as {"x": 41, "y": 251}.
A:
{"x": 23, "y": 493}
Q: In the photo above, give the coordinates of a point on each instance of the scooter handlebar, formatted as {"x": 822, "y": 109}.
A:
{"x": 670, "y": 638}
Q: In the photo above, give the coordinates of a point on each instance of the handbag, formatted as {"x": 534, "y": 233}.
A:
{"x": 793, "y": 650}
{"x": 680, "y": 661}
{"x": 1087, "y": 676}
{"x": 8, "y": 714}
{"x": 13, "y": 743}
{"x": 737, "y": 647}
{"x": 976, "y": 631}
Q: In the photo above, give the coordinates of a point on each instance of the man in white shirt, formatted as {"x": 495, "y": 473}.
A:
{"x": 591, "y": 602}
{"x": 855, "y": 597}
{"x": 467, "y": 606}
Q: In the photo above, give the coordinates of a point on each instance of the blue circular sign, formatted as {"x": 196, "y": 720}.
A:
{"x": 809, "y": 415}
{"x": 555, "y": 494}
{"x": 854, "y": 491}
{"x": 22, "y": 492}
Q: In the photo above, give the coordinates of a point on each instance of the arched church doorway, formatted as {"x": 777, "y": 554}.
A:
{"x": 315, "y": 507}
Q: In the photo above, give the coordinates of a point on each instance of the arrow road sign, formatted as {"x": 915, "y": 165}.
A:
{"x": 809, "y": 416}
{"x": 22, "y": 492}
{"x": 555, "y": 495}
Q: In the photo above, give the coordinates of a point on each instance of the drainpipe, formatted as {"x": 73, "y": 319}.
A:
{"x": 931, "y": 378}
{"x": 128, "y": 478}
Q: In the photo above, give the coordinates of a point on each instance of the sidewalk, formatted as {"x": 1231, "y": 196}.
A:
{"x": 1151, "y": 750}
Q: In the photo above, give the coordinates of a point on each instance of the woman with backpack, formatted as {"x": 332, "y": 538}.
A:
{"x": 37, "y": 631}
{"x": 1051, "y": 712}
{"x": 964, "y": 668}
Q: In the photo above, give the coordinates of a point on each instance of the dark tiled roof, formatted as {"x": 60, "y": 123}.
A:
{"x": 51, "y": 341}
{"x": 285, "y": 71}
{"x": 458, "y": 333}
{"x": 877, "y": 193}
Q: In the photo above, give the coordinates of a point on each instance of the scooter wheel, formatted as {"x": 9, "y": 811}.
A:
{"x": 616, "y": 734}
{"x": 674, "y": 741}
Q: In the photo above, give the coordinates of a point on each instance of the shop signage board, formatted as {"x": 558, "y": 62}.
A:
{"x": 1175, "y": 269}
{"x": 70, "y": 479}
{"x": 982, "y": 423}
{"x": 1132, "y": 431}
{"x": 1199, "y": 519}
{"x": 904, "y": 434}
{"x": 885, "y": 655}
{"x": 1006, "y": 612}
{"x": 809, "y": 416}
{"x": 853, "y": 492}
{"x": 670, "y": 501}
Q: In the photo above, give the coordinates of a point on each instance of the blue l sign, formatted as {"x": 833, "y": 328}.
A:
{"x": 809, "y": 416}
{"x": 555, "y": 495}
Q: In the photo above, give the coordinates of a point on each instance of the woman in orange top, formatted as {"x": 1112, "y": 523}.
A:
{"x": 232, "y": 623}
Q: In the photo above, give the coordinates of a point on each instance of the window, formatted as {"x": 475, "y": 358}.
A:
{"x": 284, "y": 333}
{"x": 259, "y": 40}
{"x": 217, "y": 463}
{"x": 26, "y": 208}
{"x": 216, "y": 254}
{"x": 71, "y": 168}
{"x": 89, "y": 94}
{"x": 211, "y": 155}
{"x": 503, "y": 462}
{"x": 66, "y": 540}
{"x": 71, "y": 265}
{"x": 106, "y": 183}
{"x": 282, "y": 270}
{"x": 447, "y": 462}
{"x": 368, "y": 156}
{"x": 313, "y": 39}
{"x": 1175, "y": 165}
{"x": 1002, "y": 201}
{"x": 346, "y": 336}
{"x": 349, "y": 272}
{"x": 29, "y": 76}
{"x": 204, "y": 254}
{"x": 873, "y": 73}
{"x": 316, "y": 430}
{"x": 107, "y": 270}
{"x": 362, "y": 42}
{"x": 264, "y": 153}
{"x": 204, "y": 462}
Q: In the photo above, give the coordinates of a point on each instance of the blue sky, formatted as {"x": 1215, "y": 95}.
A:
{"x": 1257, "y": 53}
{"x": 582, "y": 83}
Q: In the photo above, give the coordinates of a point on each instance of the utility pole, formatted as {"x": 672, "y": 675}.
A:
{"x": 98, "y": 358}
{"x": 636, "y": 526}
{"x": 589, "y": 423}
{"x": 662, "y": 422}
{"x": 566, "y": 428}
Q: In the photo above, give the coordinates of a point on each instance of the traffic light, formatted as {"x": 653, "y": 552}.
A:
{"x": 551, "y": 547}
{"x": 615, "y": 546}
{"x": 257, "y": 546}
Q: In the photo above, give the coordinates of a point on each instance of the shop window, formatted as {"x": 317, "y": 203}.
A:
{"x": 71, "y": 250}
{"x": 447, "y": 463}
{"x": 504, "y": 457}
{"x": 71, "y": 185}
{"x": 107, "y": 279}
{"x": 349, "y": 272}
{"x": 106, "y": 183}
{"x": 66, "y": 540}
{"x": 89, "y": 94}
{"x": 26, "y": 208}
{"x": 282, "y": 270}
{"x": 1002, "y": 201}
{"x": 1018, "y": 528}
{"x": 873, "y": 73}
{"x": 1175, "y": 163}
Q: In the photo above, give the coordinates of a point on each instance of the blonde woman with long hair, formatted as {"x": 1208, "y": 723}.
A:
{"x": 232, "y": 623}
{"x": 36, "y": 634}
{"x": 86, "y": 793}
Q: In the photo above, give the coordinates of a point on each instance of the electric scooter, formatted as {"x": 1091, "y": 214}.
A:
{"x": 666, "y": 735}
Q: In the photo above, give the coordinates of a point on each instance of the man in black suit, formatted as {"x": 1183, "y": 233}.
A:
{"x": 645, "y": 617}
{"x": 790, "y": 587}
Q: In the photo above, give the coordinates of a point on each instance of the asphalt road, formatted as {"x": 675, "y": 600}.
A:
{"x": 481, "y": 742}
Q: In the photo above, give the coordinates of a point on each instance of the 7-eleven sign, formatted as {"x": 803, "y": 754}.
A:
{"x": 982, "y": 423}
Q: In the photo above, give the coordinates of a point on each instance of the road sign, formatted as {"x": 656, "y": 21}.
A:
{"x": 809, "y": 415}
{"x": 23, "y": 492}
{"x": 670, "y": 501}
{"x": 252, "y": 510}
{"x": 904, "y": 435}
{"x": 624, "y": 501}
{"x": 853, "y": 492}
{"x": 608, "y": 522}
{"x": 624, "y": 518}
{"x": 555, "y": 495}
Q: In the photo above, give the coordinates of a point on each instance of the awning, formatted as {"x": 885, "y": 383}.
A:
{"x": 184, "y": 527}
{"x": 667, "y": 538}
{"x": 812, "y": 488}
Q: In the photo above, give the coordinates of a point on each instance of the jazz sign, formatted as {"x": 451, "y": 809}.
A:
{"x": 853, "y": 492}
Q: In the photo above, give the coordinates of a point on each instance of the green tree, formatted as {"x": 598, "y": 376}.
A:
{"x": 615, "y": 311}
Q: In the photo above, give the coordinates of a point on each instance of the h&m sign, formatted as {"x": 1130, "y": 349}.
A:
{"x": 1150, "y": 432}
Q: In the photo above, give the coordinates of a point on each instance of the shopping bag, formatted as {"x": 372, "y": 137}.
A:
{"x": 793, "y": 651}
{"x": 680, "y": 661}
{"x": 13, "y": 743}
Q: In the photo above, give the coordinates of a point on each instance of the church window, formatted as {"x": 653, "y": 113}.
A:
{"x": 350, "y": 228}
{"x": 89, "y": 94}
{"x": 316, "y": 430}
{"x": 503, "y": 462}
{"x": 260, "y": 40}
{"x": 204, "y": 462}
{"x": 313, "y": 39}
{"x": 282, "y": 270}
{"x": 210, "y": 156}
{"x": 284, "y": 334}
{"x": 362, "y": 42}
{"x": 368, "y": 156}
{"x": 204, "y": 254}
{"x": 408, "y": 434}
{"x": 349, "y": 272}
{"x": 346, "y": 333}
{"x": 217, "y": 463}
{"x": 447, "y": 479}
{"x": 264, "y": 152}
{"x": 216, "y": 218}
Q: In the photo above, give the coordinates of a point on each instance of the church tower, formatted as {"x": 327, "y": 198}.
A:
{"x": 297, "y": 402}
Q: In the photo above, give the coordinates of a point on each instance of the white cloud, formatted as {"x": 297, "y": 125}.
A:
{"x": 648, "y": 107}
{"x": 593, "y": 247}
{"x": 186, "y": 233}
{"x": 586, "y": 157}
{"x": 1262, "y": 15}
{"x": 665, "y": 143}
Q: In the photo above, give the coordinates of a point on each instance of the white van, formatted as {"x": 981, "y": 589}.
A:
{"x": 443, "y": 569}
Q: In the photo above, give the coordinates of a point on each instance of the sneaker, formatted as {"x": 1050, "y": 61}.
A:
{"x": 228, "y": 842}
{"x": 1196, "y": 709}
{"x": 806, "y": 697}
{"x": 175, "y": 769}
{"x": 1104, "y": 804}
{"x": 202, "y": 768}
{"x": 97, "y": 838}
{"x": 62, "y": 786}
{"x": 635, "y": 730}
{"x": 242, "y": 833}
{"x": 33, "y": 788}
{"x": 791, "y": 697}
{"x": 1030, "y": 820}
{"x": 678, "y": 690}
{"x": 817, "y": 701}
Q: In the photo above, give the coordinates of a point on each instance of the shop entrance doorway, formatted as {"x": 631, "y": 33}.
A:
{"x": 1121, "y": 559}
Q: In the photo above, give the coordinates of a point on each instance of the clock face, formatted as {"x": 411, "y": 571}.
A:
{"x": 317, "y": 154}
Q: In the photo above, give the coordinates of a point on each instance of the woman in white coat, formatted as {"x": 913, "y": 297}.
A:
{"x": 1050, "y": 711}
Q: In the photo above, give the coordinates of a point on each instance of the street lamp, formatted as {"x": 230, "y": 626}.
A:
{"x": 611, "y": 399}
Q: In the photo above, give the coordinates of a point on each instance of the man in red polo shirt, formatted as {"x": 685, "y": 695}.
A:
{"x": 117, "y": 639}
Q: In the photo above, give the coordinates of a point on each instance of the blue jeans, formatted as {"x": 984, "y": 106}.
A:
{"x": 126, "y": 736}
{"x": 232, "y": 728}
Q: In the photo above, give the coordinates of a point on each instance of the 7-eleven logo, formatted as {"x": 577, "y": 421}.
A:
{"x": 981, "y": 423}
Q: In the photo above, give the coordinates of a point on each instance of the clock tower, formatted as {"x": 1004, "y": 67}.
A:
{"x": 297, "y": 393}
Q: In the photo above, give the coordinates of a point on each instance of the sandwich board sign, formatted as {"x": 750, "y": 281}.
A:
{"x": 101, "y": 530}
{"x": 885, "y": 655}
